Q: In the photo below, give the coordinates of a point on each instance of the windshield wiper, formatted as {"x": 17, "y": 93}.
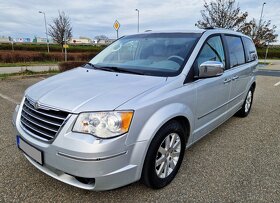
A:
{"x": 117, "y": 69}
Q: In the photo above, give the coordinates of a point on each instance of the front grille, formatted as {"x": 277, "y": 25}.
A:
{"x": 42, "y": 122}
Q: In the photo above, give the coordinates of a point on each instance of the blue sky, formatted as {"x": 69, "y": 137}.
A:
{"x": 89, "y": 18}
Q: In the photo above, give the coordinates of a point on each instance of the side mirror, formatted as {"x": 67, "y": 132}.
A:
{"x": 210, "y": 69}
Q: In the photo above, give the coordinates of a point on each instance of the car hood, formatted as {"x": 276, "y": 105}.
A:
{"x": 84, "y": 89}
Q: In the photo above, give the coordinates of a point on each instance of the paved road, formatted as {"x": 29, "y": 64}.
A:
{"x": 274, "y": 64}
{"x": 272, "y": 69}
{"x": 264, "y": 72}
{"x": 23, "y": 68}
{"x": 237, "y": 162}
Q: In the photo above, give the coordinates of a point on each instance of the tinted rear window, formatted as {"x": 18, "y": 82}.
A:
{"x": 250, "y": 50}
{"x": 236, "y": 51}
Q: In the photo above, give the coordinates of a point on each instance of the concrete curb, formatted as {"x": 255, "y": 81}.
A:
{"x": 261, "y": 69}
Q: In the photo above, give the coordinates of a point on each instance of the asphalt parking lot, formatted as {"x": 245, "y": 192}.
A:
{"x": 237, "y": 162}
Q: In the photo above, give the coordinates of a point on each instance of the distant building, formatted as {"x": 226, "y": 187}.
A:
{"x": 22, "y": 40}
{"x": 42, "y": 40}
{"x": 4, "y": 39}
{"x": 80, "y": 40}
{"x": 105, "y": 41}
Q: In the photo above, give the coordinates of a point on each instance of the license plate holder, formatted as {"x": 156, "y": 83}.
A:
{"x": 32, "y": 152}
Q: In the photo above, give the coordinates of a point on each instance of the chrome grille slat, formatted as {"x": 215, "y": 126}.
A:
{"x": 36, "y": 123}
{"x": 49, "y": 115}
{"x": 34, "y": 116}
{"x": 42, "y": 123}
{"x": 36, "y": 129}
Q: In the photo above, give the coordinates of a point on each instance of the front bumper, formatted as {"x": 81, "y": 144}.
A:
{"x": 108, "y": 163}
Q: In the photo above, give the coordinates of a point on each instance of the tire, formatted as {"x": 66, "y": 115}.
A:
{"x": 247, "y": 105}
{"x": 168, "y": 159}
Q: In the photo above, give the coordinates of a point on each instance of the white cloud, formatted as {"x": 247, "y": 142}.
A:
{"x": 90, "y": 18}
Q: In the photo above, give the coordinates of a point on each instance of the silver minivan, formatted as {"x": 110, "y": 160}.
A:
{"x": 130, "y": 113}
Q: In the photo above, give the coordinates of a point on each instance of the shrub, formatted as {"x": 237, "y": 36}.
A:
{"x": 31, "y": 56}
{"x": 273, "y": 52}
{"x": 53, "y": 47}
{"x": 64, "y": 66}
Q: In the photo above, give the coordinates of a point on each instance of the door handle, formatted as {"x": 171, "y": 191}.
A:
{"x": 227, "y": 80}
{"x": 235, "y": 77}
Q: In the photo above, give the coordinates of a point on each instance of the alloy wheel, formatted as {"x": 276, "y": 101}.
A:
{"x": 248, "y": 101}
{"x": 168, "y": 155}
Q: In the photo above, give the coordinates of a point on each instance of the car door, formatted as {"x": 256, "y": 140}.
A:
{"x": 212, "y": 94}
{"x": 239, "y": 69}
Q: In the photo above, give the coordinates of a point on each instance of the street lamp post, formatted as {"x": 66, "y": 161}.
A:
{"x": 65, "y": 45}
{"x": 261, "y": 14}
{"x": 138, "y": 17}
{"x": 267, "y": 43}
{"x": 48, "y": 46}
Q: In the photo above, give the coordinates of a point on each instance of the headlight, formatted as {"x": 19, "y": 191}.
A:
{"x": 103, "y": 124}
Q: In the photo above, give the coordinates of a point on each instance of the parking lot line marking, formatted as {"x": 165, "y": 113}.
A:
{"x": 276, "y": 84}
{"x": 8, "y": 98}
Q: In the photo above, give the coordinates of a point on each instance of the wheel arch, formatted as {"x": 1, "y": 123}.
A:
{"x": 185, "y": 123}
{"x": 175, "y": 111}
{"x": 253, "y": 85}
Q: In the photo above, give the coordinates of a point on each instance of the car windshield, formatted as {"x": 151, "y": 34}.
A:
{"x": 162, "y": 54}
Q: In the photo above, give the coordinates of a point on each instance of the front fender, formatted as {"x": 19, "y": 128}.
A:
{"x": 155, "y": 121}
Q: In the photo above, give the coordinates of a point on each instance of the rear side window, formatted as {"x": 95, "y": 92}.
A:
{"x": 250, "y": 50}
{"x": 236, "y": 51}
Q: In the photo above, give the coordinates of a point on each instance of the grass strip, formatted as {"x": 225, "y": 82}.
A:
{"x": 27, "y": 73}
{"x": 20, "y": 64}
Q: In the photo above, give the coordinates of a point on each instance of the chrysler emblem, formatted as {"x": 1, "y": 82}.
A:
{"x": 37, "y": 105}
